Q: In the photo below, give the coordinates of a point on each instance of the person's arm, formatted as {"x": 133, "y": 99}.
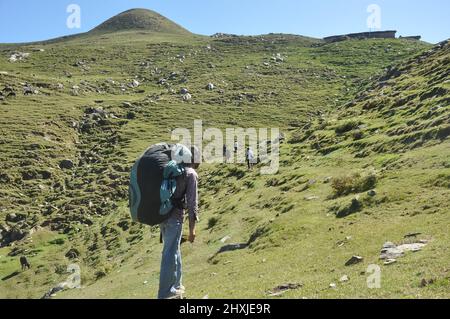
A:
{"x": 192, "y": 204}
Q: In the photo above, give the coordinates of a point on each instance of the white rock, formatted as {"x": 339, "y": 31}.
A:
{"x": 391, "y": 251}
{"x": 390, "y": 261}
{"x": 223, "y": 240}
{"x": 18, "y": 56}
{"x": 187, "y": 97}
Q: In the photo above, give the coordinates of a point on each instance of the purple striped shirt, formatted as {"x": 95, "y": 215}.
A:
{"x": 187, "y": 185}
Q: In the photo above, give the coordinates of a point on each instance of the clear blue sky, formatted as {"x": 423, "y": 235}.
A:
{"x": 29, "y": 20}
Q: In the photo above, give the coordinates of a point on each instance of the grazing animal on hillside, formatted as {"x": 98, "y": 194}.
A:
{"x": 24, "y": 263}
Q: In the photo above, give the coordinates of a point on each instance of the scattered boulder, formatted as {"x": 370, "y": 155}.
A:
{"x": 12, "y": 235}
{"x": 8, "y": 92}
{"x": 187, "y": 97}
{"x": 281, "y": 289}
{"x": 210, "y": 86}
{"x": 390, "y": 261}
{"x": 79, "y": 63}
{"x": 372, "y": 193}
{"x": 224, "y": 239}
{"x": 15, "y": 218}
{"x": 29, "y": 90}
{"x": 66, "y": 164}
{"x": 354, "y": 260}
{"x": 184, "y": 91}
{"x": 73, "y": 253}
{"x": 344, "y": 278}
{"x": 278, "y": 58}
{"x": 134, "y": 84}
{"x": 18, "y": 56}
{"x": 390, "y": 251}
{"x": 75, "y": 90}
{"x": 173, "y": 75}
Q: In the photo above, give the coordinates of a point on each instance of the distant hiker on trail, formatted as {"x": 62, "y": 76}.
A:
{"x": 185, "y": 196}
{"x": 226, "y": 154}
{"x": 250, "y": 158}
{"x": 236, "y": 147}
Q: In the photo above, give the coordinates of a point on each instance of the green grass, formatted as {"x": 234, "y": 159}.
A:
{"x": 288, "y": 219}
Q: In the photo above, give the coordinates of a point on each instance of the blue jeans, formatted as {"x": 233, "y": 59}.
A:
{"x": 170, "y": 275}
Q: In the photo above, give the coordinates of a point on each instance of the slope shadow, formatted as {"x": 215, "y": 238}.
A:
{"x": 10, "y": 276}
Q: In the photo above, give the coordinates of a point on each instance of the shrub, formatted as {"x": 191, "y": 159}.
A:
{"x": 354, "y": 183}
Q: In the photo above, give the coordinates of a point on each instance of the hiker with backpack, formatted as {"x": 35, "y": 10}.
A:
{"x": 163, "y": 186}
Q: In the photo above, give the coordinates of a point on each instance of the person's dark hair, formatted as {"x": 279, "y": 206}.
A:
{"x": 196, "y": 157}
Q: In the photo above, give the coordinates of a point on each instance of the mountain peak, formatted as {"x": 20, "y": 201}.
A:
{"x": 140, "y": 19}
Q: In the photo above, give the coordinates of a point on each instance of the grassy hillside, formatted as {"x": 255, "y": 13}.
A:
{"x": 353, "y": 124}
{"x": 140, "y": 19}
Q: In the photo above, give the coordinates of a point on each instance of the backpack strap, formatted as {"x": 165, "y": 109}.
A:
{"x": 180, "y": 203}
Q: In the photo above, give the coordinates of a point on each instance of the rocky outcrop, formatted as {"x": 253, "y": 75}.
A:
{"x": 362, "y": 35}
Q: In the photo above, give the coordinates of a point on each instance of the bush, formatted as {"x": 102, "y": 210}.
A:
{"x": 354, "y": 183}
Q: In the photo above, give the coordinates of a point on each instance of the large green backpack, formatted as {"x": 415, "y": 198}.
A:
{"x": 153, "y": 182}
